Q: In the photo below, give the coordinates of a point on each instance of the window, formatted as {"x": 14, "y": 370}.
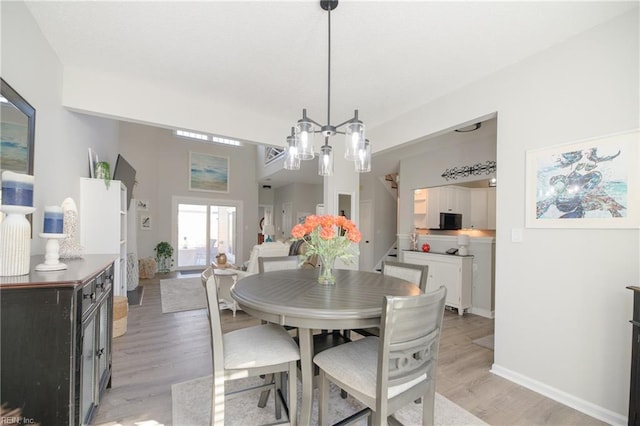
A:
{"x": 203, "y": 137}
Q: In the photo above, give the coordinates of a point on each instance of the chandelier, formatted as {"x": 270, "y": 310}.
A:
{"x": 300, "y": 144}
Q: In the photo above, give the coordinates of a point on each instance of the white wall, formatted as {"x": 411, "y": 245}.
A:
{"x": 562, "y": 310}
{"x": 161, "y": 161}
{"x": 62, "y": 138}
{"x": 384, "y": 216}
{"x": 303, "y": 197}
{"x": 445, "y": 152}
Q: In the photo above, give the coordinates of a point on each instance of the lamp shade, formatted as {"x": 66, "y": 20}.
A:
{"x": 325, "y": 162}
{"x": 291, "y": 159}
{"x": 463, "y": 240}
{"x": 268, "y": 229}
{"x": 304, "y": 139}
{"x": 363, "y": 159}
{"x": 354, "y": 139}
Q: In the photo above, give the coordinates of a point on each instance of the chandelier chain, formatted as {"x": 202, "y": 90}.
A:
{"x": 329, "y": 69}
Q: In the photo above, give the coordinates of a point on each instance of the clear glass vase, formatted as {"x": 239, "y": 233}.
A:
{"x": 326, "y": 276}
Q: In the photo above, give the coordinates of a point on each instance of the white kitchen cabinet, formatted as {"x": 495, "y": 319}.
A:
{"x": 482, "y": 203}
{"x": 478, "y": 211}
{"x": 103, "y": 224}
{"x": 447, "y": 199}
{"x": 452, "y": 271}
{"x": 433, "y": 208}
{"x": 420, "y": 208}
{"x": 491, "y": 208}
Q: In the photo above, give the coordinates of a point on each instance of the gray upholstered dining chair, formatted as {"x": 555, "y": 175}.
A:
{"x": 388, "y": 372}
{"x": 278, "y": 263}
{"x": 416, "y": 274}
{"x": 254, "y": 351}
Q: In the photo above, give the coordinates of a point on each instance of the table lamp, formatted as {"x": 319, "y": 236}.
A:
{"x": 463, "y": 242}
{"x": 268, "y": 230}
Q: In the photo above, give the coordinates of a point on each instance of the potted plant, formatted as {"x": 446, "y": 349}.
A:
{"x": 103, "y": 172}
{"x": 164, "y": 256}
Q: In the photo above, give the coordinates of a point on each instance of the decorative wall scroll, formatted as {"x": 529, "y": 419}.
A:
{"x": 487, "y": 168}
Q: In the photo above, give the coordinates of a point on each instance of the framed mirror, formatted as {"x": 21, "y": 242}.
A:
{"x": 17, "y": 131}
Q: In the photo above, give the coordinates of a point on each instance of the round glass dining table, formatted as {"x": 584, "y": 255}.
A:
{"x": 295, "y": 298}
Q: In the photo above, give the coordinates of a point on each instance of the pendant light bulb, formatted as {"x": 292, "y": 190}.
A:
{"x": 363, "y": 159}
{"x": 354, "y": 138}
{"x": 304, "y": 136}
{"x": 325, "y": 162}
{"x": 292, "y": 159}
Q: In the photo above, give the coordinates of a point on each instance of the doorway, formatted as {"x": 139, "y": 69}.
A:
{"x": 204, "y": 229}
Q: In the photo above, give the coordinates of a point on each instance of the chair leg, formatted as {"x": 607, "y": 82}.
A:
{"x": 428, "y": 403}
{"x": 292, "y": 392}
{"x": 323, "y": 399}
{"x": 264, "y": 395}
{"x": 284, "y": 390}
{"x": 276, "y": 400}
{"x": 217, "y": 401}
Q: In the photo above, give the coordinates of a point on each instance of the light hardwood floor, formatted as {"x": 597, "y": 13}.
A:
{"x": 161, "y": 349}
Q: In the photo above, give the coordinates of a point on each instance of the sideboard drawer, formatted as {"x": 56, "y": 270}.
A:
{"x": 89, "y": 295}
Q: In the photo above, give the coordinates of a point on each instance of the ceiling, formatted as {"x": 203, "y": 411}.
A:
{"x": 270, "y": 57}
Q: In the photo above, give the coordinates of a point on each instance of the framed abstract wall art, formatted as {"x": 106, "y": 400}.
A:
{"x": 208, "y": 172}
{"x": 589, "y": 184}
{"x": 145, "y": 222}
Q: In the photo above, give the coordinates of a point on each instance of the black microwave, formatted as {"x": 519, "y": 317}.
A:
{"x": 450, "y": 220}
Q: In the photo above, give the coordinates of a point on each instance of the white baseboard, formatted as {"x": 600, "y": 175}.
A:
{"x": 482, "y": 312}
{"x": 562, "y": 397}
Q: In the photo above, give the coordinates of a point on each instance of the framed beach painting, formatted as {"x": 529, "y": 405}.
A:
{"x": 208, "y": 172}
{"x": 588, "y": 184}
{"x": 17, "y": 130}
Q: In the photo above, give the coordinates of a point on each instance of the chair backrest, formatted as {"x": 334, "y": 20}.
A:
{"x": 416, "y": 274}
{"x": 278, "y": 263}
{"x": 267, "y": 249}
{"x": 215, "y": 325}
{"x": 205, "y": 275}
{"x": 409, "y": 338}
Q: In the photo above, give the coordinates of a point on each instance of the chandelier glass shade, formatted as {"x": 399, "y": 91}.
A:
{"x": 304, "y": 137}
{"x": 301, "y": 142}
{"x": 363, "y": 158}
{"x": 291, "y": 158}
{"x": 354, "y": 138}
{"x": 325, "y": 162}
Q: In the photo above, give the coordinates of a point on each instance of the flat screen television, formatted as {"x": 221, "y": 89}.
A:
{"x": 450, "y": 221}
{"x": 126, "y": 174}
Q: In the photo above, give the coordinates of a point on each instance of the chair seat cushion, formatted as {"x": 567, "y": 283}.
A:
{"x": 355, "y": 364}
{"x": 258, "y": 346}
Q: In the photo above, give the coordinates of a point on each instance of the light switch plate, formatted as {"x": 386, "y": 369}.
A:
{"x": 516, "y": 235}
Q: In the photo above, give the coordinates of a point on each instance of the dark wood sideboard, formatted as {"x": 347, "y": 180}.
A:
{"x": 634, "y": 391}
{"x": 56, "y": 329}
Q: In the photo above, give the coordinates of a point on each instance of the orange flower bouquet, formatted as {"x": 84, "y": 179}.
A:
{"x": 330, "y": 238}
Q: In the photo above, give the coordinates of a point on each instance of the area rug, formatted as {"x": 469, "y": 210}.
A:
{"x": 182, "y": 294}
{"x": 485, "y": 342}
{"x": 191, "y": 406}
{"x": 135, "y": 296}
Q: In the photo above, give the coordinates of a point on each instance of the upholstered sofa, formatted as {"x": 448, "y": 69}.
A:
{"x": 272, "y": 249}
{"x": 250, "y": 267}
